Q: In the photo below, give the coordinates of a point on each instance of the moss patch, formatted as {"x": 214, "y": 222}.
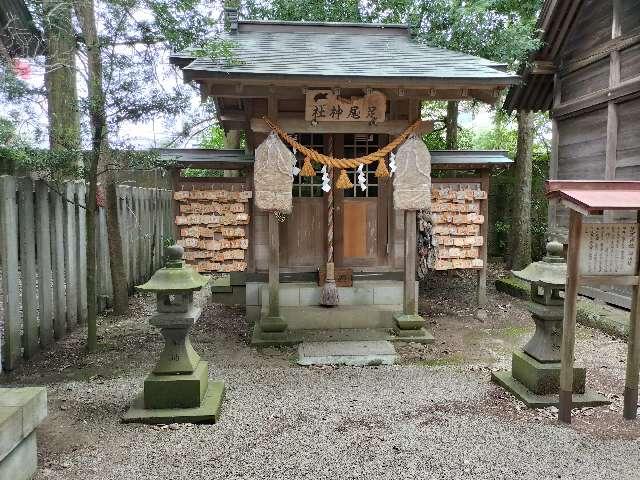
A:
{"x": 513, "y": 286}
{"x": 612, "y": 321}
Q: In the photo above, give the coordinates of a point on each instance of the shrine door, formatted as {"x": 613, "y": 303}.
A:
{"x": 303, "y": 233}
{"x": 361, "y": 215}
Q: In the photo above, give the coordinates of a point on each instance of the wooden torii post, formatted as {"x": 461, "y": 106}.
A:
{"x": 604, "y": 254}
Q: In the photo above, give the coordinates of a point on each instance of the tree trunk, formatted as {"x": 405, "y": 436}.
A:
{"x": 452, "y": 125}
{"x": 99, "y": 145}
{"x": 521, "y": 216}
{"x": 60, "y": 76}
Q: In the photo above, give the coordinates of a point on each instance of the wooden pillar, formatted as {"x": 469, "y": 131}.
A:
{"x": 43, "y": 249}
{"x": 630, "y": 410}
{"x": 59, "y": 273}
{"x": 10, "y": 350}
{"x": 410, "y": 306}
{"x": 569, "y": 321}
{"x": 484, "y": 229}
{"x": 552, "y": 211}
{"x": 70, "y": 255}
{"x": 26, "y": 225}
{"x": 274, "y": 266}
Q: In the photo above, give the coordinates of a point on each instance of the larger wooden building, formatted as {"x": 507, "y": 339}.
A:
{"x": 277, "y": 71}
{"x": 587, "y": 75}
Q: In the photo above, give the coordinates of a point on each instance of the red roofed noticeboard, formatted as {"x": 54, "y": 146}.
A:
{"x": 600, "y": 253}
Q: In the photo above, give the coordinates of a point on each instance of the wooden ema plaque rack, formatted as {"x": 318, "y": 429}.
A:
{"x": 599, "y": 254}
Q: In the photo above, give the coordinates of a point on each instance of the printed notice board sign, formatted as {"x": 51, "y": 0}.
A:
{"x": 609, "y": 249}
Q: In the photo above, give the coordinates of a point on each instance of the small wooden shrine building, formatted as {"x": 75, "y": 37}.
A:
{"x": 587, "y": 75}
{"x": 343, "y": 91}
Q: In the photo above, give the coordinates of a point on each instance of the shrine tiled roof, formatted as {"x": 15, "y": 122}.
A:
{"x": 341, "y": 51}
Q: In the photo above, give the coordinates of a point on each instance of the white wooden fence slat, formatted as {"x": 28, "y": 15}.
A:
{"x": 9, "y": 257}
{"x": 70, "y": 259}
{"x": 43, "y": 248}
{"x": 27, "y": 233}
{"x": 81, "y": 228}
{"x": 59, "y": 274}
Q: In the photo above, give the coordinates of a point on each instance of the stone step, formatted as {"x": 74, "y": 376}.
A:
{"x": 356, "y": 353}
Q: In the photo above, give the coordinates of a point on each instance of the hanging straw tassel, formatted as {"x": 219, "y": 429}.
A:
{"x": 307, "y": 168}
{"x": 329, "y": 296}
{"x": 382, "y": 171}
{"x": 343, "y": 181}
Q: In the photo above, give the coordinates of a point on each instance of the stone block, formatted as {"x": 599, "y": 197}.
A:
{"x": 253, "y": 293}
{"x": 532, "y": 400}
{"x": 21, "y": 411}
{"x": 388, "y": 294}
{"x": 543, "y": 378}
{"x": 32, "y": 402}
{"x": 310, "y": 296}
{"x": 356, "y": 295}
{"x": 10, "y": 429}
{"x": 176, "y": 391}
{"x": 208, "y": 411}
{"x": 408, "y": 322}
{"x": 289, "y": 295}
{"x": 21, "y": 463}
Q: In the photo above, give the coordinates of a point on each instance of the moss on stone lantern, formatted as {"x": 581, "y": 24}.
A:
{"x": 178, "y": 389}
{"x": 535, "y": 371}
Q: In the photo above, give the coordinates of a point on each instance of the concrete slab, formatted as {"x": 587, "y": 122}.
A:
{"x": 347, "y": 353}
{"x": 531, "y": 400}
{"x": 207, "y": 412}
{"x": 22, "y": 462}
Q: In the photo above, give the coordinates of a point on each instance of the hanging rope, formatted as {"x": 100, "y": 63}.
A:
{"x": 343, "y": 163}
{"x": 330, "y": 206}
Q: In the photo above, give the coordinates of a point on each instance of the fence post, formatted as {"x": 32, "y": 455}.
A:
{"x": 43, "y": 247}
{"x": 27, "y": 234}
{"x": 57, "y": 242}
{"x": 70, "y": 260}
{"x": 9, "y": 257}
{"x": 81, "y": 237}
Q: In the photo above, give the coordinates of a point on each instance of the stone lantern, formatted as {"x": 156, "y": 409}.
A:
{"x": 535, "y": 371}
{"x": 178, "y": 390}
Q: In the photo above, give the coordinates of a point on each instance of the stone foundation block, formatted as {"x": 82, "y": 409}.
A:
{"x": 176, "y": 391}
{"x": 543, "y": 378}
{"x": 21, "y": 411}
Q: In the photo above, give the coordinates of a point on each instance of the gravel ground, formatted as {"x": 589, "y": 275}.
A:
{"x": 433, "y": 416}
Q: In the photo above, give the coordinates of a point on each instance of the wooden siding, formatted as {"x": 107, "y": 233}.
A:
{"x": 630, "y": 16}
{"x": 585, "y": 80}
{"x": 591, "y": 28}
{"x": 582, "y": 142}
{"x": 302, "y": 234}
{"x": 628, "y": 152}
{"x": 630, "y": 61}
{"x": 581, "y": 151}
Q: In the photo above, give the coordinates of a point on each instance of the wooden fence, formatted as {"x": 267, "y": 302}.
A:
{"x": 43, "y": 257}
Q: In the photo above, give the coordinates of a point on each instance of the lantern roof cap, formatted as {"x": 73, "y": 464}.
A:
{"x": 175, "y": 277}
{"x": 550, "y": 271}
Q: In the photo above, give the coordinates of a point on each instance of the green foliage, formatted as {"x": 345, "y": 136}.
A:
{"x": 219, "y": 51}
{"x": 214, "y": 138}
{"x": 201, "y": 172}
{"x": 305, "y": 10}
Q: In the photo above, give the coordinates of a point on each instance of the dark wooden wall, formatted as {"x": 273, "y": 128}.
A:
{"x": 596, "y": 112}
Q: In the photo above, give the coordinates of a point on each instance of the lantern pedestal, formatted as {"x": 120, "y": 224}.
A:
{"x": 178, "y": 390}
{"x": 410, "y": 328}
{"x": 535, "y": 371}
